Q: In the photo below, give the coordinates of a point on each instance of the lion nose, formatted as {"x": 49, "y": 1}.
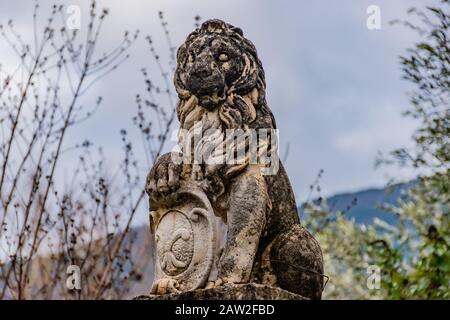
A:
{"x": 201, "y": 70}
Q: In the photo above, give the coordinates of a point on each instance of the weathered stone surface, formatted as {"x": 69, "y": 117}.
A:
{"x": 250, "y": 291}
{"x": 226, "y": 222}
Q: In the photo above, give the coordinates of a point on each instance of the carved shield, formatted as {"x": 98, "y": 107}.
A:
{"x": 184, "y": 238}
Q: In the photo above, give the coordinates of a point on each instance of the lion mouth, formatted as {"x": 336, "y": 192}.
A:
{"x": 214, "y": 100}
{"x": 219, "y": 95}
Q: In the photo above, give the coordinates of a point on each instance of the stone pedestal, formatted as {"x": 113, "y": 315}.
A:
{"x": 249, "y": 291}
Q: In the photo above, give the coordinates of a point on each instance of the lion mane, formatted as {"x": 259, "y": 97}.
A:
{"x": 242, "y": 106}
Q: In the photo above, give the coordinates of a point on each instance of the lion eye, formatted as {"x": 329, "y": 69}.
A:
{"x": 223, "y": 57}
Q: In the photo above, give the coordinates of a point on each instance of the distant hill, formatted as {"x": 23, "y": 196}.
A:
{"x": 366, "y": 206}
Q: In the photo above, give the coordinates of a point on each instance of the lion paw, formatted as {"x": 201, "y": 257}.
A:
{"x": 164, "y": 178}
{"x": 165, "y": 285}
{"x": 214, "y": 284}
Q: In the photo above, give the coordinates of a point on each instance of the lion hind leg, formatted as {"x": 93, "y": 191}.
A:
{"x": 297, "y": 260}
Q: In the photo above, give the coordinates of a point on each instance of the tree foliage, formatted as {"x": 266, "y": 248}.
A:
{"x": 413, "y": 255}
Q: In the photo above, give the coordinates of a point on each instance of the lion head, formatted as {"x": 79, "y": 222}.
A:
{"x": 218, "y": 68}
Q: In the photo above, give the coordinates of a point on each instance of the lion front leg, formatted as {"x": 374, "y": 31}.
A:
{"x": 246, "y": 218}
{"x": 164, "y": 177}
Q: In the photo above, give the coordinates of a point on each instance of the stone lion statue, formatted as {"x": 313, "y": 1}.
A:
{"x": 220, "y": 83}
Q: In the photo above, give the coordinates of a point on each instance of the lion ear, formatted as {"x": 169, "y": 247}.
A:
{"x": 238, "y": 30}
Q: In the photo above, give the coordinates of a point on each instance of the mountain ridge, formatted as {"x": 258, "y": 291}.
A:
{"x": 367, "y": 204}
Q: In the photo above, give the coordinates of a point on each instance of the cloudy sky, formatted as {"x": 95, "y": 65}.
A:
{"x": 334, "y": 86}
